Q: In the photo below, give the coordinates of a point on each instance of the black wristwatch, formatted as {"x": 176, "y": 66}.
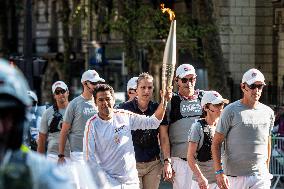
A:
{"x": 61, "y": 155}
{"x": 169, "y": 160}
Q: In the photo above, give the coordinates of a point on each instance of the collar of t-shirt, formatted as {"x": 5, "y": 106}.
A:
{"x": 193, "y": 97}
{"x": 258, "y": 106}
{"x": 91, "y": 99}
{"x": 149, "y": 111}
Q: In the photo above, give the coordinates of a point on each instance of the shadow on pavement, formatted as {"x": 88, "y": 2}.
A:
{"x": 165, "y": 185}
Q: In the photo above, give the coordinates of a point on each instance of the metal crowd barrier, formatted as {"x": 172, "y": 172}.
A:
{"x": 277, "y": 159}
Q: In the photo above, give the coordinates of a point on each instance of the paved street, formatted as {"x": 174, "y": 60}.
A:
{"x": 166, "y": 185}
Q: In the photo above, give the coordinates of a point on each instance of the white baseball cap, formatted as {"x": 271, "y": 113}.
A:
{"x": 253, "y": 75}
{"x": 59, "y": 84}
{"x": 212, "y": 97}
{"x": 132, "y": 83}
{"x": 184, "y": 70}
{"x": 91, "y": 75}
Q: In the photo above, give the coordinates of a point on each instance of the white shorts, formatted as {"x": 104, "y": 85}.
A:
{"x": 77, "y": 157}
{"x": 115, "y": 184}
{"x": 54, "y": 158}
{"x": 183, "y": 174}
{"x": 252, "y": 182}
{"x": 194, "y": 185}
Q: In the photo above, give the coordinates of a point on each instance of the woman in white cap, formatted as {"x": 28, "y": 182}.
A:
{"x": 199, "y": 155}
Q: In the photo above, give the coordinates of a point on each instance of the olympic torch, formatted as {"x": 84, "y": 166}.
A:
{"x": 169, "y": 59}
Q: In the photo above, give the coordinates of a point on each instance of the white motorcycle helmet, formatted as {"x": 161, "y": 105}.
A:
{"x": 13, "y": 99}
{"x": 12, "y": 84}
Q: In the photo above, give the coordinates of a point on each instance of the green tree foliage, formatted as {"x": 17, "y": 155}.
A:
{"x": 65, "y": 13}
{"x": 144, "y": 26}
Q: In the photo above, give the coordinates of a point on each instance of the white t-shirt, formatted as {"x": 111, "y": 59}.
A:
{"x": 109, "y": 142}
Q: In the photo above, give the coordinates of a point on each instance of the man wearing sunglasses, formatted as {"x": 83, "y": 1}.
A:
{"x": 245, "y": 127}
{"x": 131, "y": 88}
{"x": 51, "y": 122}
{"x": 182, "y": 111}
{"x": 79, "y": 110}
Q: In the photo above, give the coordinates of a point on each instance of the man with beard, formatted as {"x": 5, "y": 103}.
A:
{"x": 245, "y": 126}
{"x": 182, "y": 111}
{"x": 51, "y": 122}
{"x": 108, "y": 139}
{"x": 78, "y": 111}
{"x": 19, "y": 167}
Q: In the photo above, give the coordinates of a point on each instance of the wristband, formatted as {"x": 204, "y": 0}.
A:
{"x": 61, "y": 155}
{"x": 219, "y": 172}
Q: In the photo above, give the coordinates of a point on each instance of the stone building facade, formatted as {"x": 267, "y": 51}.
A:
{"x": 246, "y": 35}
{"x": 252, "y": 35}
{"x": 278, "y": 45}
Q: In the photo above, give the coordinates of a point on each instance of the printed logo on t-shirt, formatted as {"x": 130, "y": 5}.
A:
{"x": 120, "y": 134}
{"x": 116, "y": 130}
{"x": 255, "y": 123}
{"x": 89, "y": 111}
{"x": 116, "y": 139}
{"x": 189, "y": 108}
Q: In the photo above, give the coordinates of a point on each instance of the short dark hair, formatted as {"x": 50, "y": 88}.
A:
{"x": 144, "y": 75}
{"x": 103, "y": 88}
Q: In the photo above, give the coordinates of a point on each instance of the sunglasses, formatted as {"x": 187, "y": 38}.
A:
{"x": 94, "y": 83}
{"x": 57, "y": 92}
{"x": 185, "y": 80}
{"x": 254, "y": 86}
{"x": 131, "y": 91}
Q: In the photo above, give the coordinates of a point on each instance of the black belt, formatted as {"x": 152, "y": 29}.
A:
{"x": 152, "y": 159}
{"x": 184, "y": 159}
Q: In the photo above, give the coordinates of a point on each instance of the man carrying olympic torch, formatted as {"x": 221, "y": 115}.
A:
{"x": 183, "y": 109}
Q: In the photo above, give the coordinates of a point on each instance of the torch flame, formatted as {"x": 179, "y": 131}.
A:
{"x": 169, "y": 11}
